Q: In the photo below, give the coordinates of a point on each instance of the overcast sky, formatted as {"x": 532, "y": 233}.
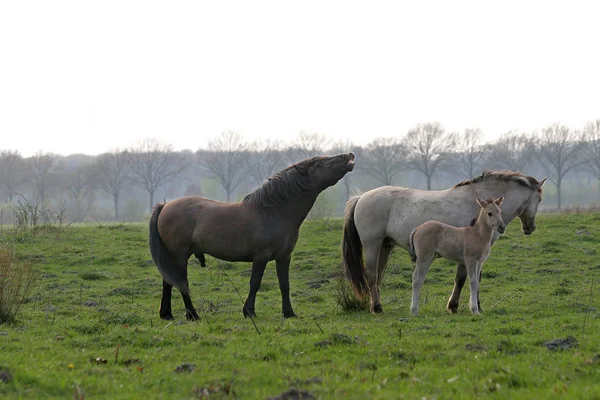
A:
{"x": 85, "y": 77}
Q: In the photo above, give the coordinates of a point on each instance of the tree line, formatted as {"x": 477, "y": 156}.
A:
{"x": 115, "y": 185}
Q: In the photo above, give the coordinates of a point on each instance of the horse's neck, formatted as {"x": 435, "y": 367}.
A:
{"x": 514, "y": 195}
{"x": 298, "y": 208}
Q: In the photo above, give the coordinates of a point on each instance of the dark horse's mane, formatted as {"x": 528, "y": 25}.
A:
{"x": 283, "y": 186}
{"x": 506, "y": 176}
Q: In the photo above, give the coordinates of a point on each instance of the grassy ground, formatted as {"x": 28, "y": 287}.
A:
{"x": 90, "y": 328}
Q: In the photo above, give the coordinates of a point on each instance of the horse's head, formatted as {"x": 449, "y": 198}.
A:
{"x": 323, "y": 172}
{"x": 491, "y": 213}
{"x": 528, "y": 209}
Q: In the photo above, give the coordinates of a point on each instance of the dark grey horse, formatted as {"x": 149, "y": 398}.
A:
{"x": 264, "y": 226}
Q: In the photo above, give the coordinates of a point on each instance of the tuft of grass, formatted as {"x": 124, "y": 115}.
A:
{"x": 16, "y": 280}
{"x": 345, "y": 298}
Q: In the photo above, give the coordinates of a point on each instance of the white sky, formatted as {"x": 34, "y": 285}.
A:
{"x": 85, "y": 77}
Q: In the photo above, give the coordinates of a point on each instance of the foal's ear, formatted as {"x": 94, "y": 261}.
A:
{"x": 498, "y": 201}
{"x": 541, "y": 183}
{"x": 482, "y": 203}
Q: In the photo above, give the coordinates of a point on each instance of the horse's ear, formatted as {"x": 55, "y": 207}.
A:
{"x": 498, "y": 201}
{"x": 482, "y": 203}
{"x": 301, "y": 169}
{"x": 541, "y": 183}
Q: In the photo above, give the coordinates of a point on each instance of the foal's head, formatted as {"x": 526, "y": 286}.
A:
{"x": 491, "y": 214}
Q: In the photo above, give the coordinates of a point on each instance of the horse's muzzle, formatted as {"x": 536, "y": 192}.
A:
{"x": 501, "y": 229}
{"x": 528, "y": 230}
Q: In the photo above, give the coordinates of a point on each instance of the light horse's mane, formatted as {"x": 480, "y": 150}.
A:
{"x": 505, "y": 176}
{"x": 286, "y": 184}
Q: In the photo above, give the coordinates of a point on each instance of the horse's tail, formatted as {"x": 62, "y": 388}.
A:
{"x": 411, "y": 246}
{"x": 160, "y": 254}
{"x": 352, "y": 251}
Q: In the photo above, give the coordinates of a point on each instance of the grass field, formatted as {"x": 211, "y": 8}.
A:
{"x": 90, "y": 328}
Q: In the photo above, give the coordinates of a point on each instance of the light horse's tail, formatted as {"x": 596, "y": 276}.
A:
{"x": 352, "y": 251}
{"x": 411, "y": 246}
{"x": 161, "y": 257}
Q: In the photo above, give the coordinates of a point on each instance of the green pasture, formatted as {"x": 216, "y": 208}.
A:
{"x": 90, "y": 327}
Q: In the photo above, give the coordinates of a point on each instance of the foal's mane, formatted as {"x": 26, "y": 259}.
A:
{"x": 505, "y": 176}
{"x": 286, "y": 184}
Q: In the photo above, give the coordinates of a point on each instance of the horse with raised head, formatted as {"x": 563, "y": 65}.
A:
{"x": 381, "y": 219}
{"x": 469, "y": 245}
{"x": 264, "y": 226}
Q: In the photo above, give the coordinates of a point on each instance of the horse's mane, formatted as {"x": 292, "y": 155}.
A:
{"x": 506, "y": 176}
{"x": 283, "y": 186}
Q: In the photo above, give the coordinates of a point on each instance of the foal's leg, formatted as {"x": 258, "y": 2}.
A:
{"x": 165, "y": 311}
{"x": 372, "y": 263}
{"x": 283, "y": 275}
{"x": 258, "y": 269}
{"x": 473, "y": 269}
{"x": 459, "y": 282}
{"x": 418, "y": 278}
{"x": 478, "y": 302}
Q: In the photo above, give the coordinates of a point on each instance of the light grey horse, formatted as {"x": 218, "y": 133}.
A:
{"x": 382, "y": 218}
{"x": 468, "y": 245}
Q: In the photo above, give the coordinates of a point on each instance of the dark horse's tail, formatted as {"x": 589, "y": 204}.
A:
{"x": 411, "y": 246}
{"x": 352, "y": 251}
{"x": 161, "y": 257}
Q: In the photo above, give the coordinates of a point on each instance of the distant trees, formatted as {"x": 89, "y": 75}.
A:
{"x": 383, "y": 158}
{"x": 225, "y": 160}
{"x": 264, "y": 159}
{"x": 154, "y": 163}
{"x": 12, "y": 172}
{"x": 558, "y": 152}
{"x": 307, "y": 145}
{"x": 591, "y": 147}
{"x": 43, "y": 170}
{"x": 79, "y": 183}
{"x": 513, "y": 151}
{"x": 111, "y": 174}
{"x": 469, "y": 151}
{"x": 428, "y": 145}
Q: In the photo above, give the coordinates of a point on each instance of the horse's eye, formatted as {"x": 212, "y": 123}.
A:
{"x": 320, "y": 164}
{"x": 489, "y": 214}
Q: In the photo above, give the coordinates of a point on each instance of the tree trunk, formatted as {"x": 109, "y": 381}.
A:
{"x": 151, "y": 193}
{"x": 116, "y": 202}
{"x": 558, "y": 185}
{"x": 428, "y": 182}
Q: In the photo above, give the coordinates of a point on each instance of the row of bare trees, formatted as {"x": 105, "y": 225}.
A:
{"x": 239, "y": 166}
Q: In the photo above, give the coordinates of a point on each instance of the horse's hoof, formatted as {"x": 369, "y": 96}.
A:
{"x": 192, "y": 317}
{"x": 376, "y": 309}
{"x": 168, "y": 317}
{"x": 452, "y": 308}
{"x": 289, "y": 314}
{"x": 248, "y": 313}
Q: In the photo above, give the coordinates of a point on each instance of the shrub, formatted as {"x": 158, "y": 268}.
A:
{"x": 345, "y": 298}
{"x": 16, "y": 281}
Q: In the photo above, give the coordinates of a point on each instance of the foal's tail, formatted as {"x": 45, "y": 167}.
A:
{"x": 352, "y": 251}
{"x": 161, "y": 257}
{"x": 411, "y": 246}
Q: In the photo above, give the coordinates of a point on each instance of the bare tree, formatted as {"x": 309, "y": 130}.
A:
{"x": 591, "y": 147}
{"x": 112, "y": 173}
{"x": 225, "y": 160}
{"x": 559, "y": 149}
{"x": 429, "y": 145}
{"x": 341, "y": 147}
{"x": 470, "y": 151}
{"x": 382, "y": 159}
{"x": 12, "y": 177}
{"x": 79, "y": 183}
{"x": 307, "y": 145}
{"x": 154, "y": 163}
{"x": 44, "y": 168}
{"x": 264, "y": 159}
{"x": 513, "y": 151}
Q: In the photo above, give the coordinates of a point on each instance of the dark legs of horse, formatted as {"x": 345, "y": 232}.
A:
{"x": 165, "y": 303}
{"x": 371, "y": 268}
{"x": 384, "y": 258}
{"x": 459, "y": 283}
{"x": 258, "y": 269}
{"x": 283, "y": 275}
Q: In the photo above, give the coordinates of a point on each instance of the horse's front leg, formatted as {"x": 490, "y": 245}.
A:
{"x": 459, "y": 282}
{"x": 258, "y": 269}
{"x": 283, "y": 275}
{"x": 478, "y": 302}
{"x": 473, "y": 269}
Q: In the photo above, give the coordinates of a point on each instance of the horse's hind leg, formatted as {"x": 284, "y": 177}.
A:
{"x": 418, "y": 278}
{"x": 371, "y": 269}
{"x": 478, "y": 302}
{"x": 165, "y": 311}
{"x": 459, "y": 282}
{"x": 384, "y": 258}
